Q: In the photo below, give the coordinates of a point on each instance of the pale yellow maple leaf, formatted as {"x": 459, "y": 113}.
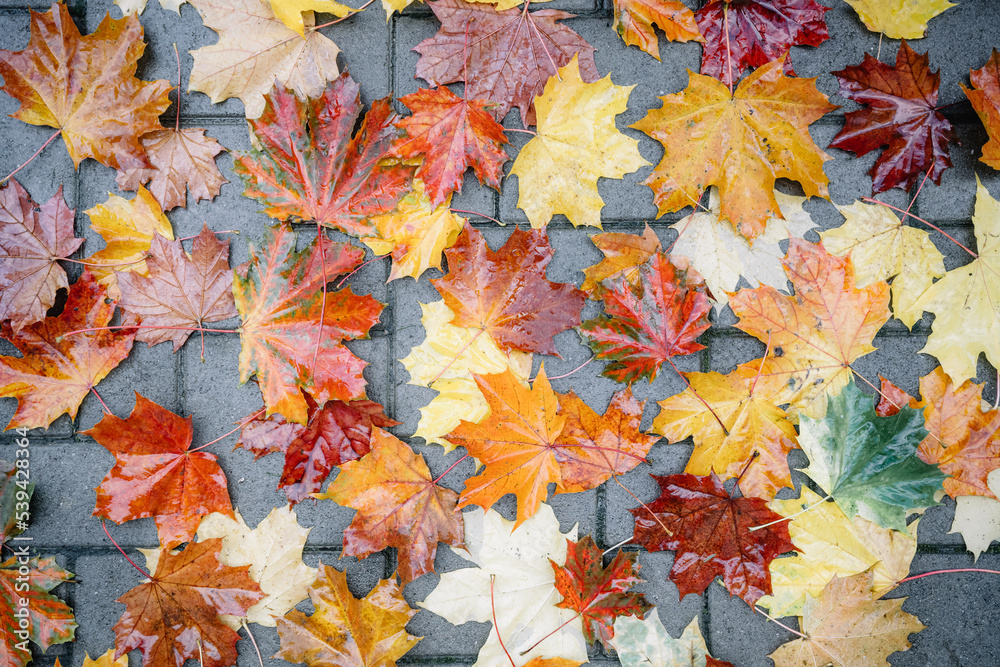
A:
{"x": 127, "y": 226}
{"x": 577, "y": 143}
{"x": 445, "y": 362}
{"x": 832, "y": 544}
{"x": 273, "y": 550}
{"x": 977, "y": 518}
{"x": 255, "y": 50}
{"x": 105, "y": 660}
{"x": 290, "y": 12}
{"x": 139, "y": 6}
{"x": 721, "y": 255}
{"x": 899, "y": 19}
{"x": 415, "y": 233}
{"x": 881, "y": 247}
{"x": 966, "y": 301}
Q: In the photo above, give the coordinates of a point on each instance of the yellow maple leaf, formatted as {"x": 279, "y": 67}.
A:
{"x": 833, "y": 545}
{"x": 967, "y": 300}
{"x": 882, "y": 247}
{"x": 290, "y": 12}
{"x": 623, "y": 255}
{"x": 106, "y": 660}
{"x": 577, "y": 143}
{"x": 899, "y": 19}
{"x": 127, "y": 227}
{"x": 416, "y": 233}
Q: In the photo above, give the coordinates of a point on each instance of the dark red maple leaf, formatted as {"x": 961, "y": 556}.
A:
{"x": 599, "y": 594}
{"x": 709, "y": 530}
{"x": 505, "y": 293}
{"x": 507, "y": 56}
{"x": 758, "y": 32}
{"x": 334, "y": 434}
{"x": 657, "y": 317}
{"x": 452, "y": 133}
{"x": 311, "y": 169}
{"x": 902, "y": 115}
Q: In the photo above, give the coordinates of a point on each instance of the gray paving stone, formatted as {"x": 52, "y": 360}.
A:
{"x": 955, "y": 198}
{"x": 737, "y": 633}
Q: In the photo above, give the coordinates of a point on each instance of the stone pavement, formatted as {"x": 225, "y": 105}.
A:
{"x": 961, "y": 611}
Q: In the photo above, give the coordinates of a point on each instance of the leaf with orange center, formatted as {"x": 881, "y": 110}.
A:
{"x": 156, "y": 475}
{"x": 334, "y": 434}
{"x": 599, "y": 594}
{"x": 985, "y": 98}
{"x": 398, "y": 504}
{"x": 452, "y": 134}
{"x": 32, "y": 241}
{"x": 293, "y": 329}
{"x": 86, "y": 87}
{"x": 732, "y": 417}
{"x": 739, "y": 141}
{"x": 815, "y": 335}
{"x": 623, "y": 255}
{"x": 648, "y": 322}
{"x": 56, "y": 371}
{"x": 710, "y": 531}
{"x": 505, "y": 293}
{"x": 174, "y": 616}
{"x": 310, "y": 169}
{"x": 634, "y": 21}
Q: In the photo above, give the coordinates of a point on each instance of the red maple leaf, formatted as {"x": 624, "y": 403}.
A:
{"x": 710, "y": 531}
{"x": 902, "y": 115}
{"x": 334, "y": 434}
{"x": 155, "y": 475}
{"x": 649, "y": 320}
{"x": 452, "y": 133}
{"x": 311, "y": 169}
{"x": 505, "y": 57}
{"x": 757, "y": 33}
{"x": 599, "y": 594}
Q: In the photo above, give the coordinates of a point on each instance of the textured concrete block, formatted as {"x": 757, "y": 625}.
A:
{"x": 738, "y": 634}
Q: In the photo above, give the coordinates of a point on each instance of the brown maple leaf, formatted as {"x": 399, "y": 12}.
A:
{"x": 58, "y": 370}
{"x": 505, "y": 293}
{"x": 181, "y": 290}
{"x": 502, "y": 56}
{"x": 86, "y": 87}
{"x": 156, "y": 475}
{"x": 174, "y": 616}
{"x": 32, "y": 241}
{"x": 398, "y": 504}
{"x": 334, "y": 434}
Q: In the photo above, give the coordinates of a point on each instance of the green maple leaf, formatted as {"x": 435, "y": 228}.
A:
{"x": 867, "y": 463}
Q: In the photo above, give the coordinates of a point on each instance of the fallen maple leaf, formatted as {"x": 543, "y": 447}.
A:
{"x": 500, "y": 55}
{"x": 512, "y": 588}
{"x": 106, "y": 659}
{"x": 966, "y": 302}
{"x": 645, "y": 643}
{"x": 174, "y": 616}
{"x": 255, "y": 51}
{"x": 623, "y": 255}
{"x": 181, "y": 160}
{"x": 25, "y": 582}
{"x": 901, "y": 115}
{"x": 649, "y": 322}
{"x": 56, "y": 370}
{"x": 847, "y": 626}
{"x": 985, "y": 99}
{"x": 714, "y": 137}
{"x": 293, "y": 329}
{"x": 634, "y": 21}
{"x": 344, "y": 631}
{"x": 710, "y": 531}
{"x": 32, "y": 241}
{"x": 399, "y": 505}
{"x": 86, "y": 87}
{"x": 899, "y": 19}
{"x": 290, "y": 12}
{"x": 977, "y": 518}
{"x": 505, "y": 293}
{"x": 739, "y": 35}
{"x": 273, "y": 552}
{"x": 880, "y": 247}
{"x": 311, "y": 169}
{"x": 333, "y": 434}
{"x": 576, "y": 143}
{"x": 452, "y": 133}
{"x": 869, "y": 464}
{"x": 181, "y": 290}
{"x": 156, "y": 475}
{"x": 139, "y": 6}
{"x": 599, "y": 594}
{"x": 814, "y": 336}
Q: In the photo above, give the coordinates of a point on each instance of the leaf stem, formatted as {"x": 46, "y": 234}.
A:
{"x": 177, "y": 122}
{"x": 767, "y": 351}
{"x": 453, "y": 360}
{"x": 103, "y": 404}
{"x": 644, "y": 506}
{"x": 620, "y": 544}
{"x": 239, "y": 425}
{"x": 144, "y": 326}
{"x": 358, "y": 268}
{"x": 449, "y": 469}
{"x": 253, "y": 641}
{"x": 104, "y": 525}
{"x": 789, "y": 518}
{"x": 514, "y": 129}
{"x": 566, "y": 375}
{"x": 698, "y": 396}
{"x": 322, "y": 309}
{"x": 960, "y": 569}
{"x": 567, "y": 622}
{"x": 343, "y": 18}
{"x": 777, "y": 622}
{"x": 101, "y": 264}
{"x": 496, "y": 627}
{"x": 481, "y": 215}
{"x": 753, "y": 457}
{"x": 931, "y": 225}
{"x": 729, "y": 53}
{"x": 28, "y": 161}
